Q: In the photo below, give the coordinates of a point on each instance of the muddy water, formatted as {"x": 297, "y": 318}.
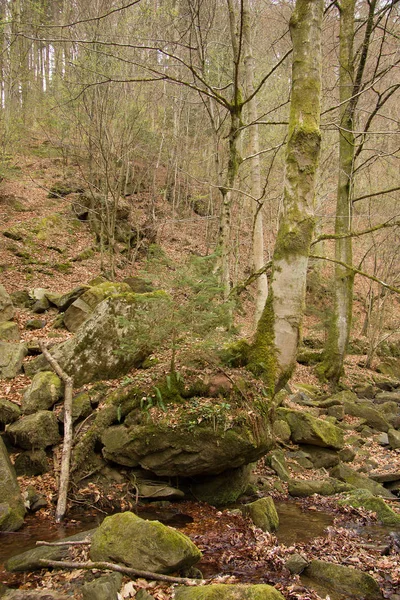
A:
{"x": 297, "y": 524}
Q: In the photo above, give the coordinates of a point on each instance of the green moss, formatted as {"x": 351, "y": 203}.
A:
{"x": 365, "y": 499}
{"x": 263, "y": 353}
{"x": 236, "y": 354}
{"x": 228, "y": 592}
{"x": 294, "y": 237}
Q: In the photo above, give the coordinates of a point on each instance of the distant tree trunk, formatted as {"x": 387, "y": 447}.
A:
{"x": 273, "y": 353}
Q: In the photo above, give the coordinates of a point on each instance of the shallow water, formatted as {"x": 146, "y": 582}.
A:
{"x": 297, "y": 524}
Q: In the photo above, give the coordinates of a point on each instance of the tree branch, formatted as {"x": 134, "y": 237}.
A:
{"x": 341, "y": 236}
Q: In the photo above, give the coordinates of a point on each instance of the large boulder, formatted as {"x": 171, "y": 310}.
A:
{"x": 9, "y": 411}
{"x": 44, "y": 391}
{"x": 64, "y": 301}
{"x": 322, "y": 458}
{"x": 222, "y": 489}
{"x": 95, "y": 353}
{"x": 12, "y": 509}
{"x": 365, "y": 411}
{"x": 11, "y": 357}
{"x": 307, "y": 429}
{"x": 34, "y": 432}
{"x": 140, "y": 544}
{"x": 6, "y": 305}
{"x": 221, "y": 591}
{"x": 350, "y": 582}
{"x": 263, "y": 514}
{"x": 394, "y": 439}
{"x": 79, "y": 311}
{"x": 359, "y": 481}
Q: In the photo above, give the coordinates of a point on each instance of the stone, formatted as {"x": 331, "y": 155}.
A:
{"x": 82, "y": 308}
{"x": 156, "y": 548}
{"x": 363, "y": 410}
{"x": 365, "y": 390}
{"x": 321, "y": 458}
{"x": 223, "y": 488}
{"x": 33, "y": 324}
{"x": 359, "y": 481}
{"x": 35, "y": 432}
{"x": 389, "y": 396}
{"x": 222, "y": 591}
{"x": 11, "y": 358}
{"x": 394, "y": 439}
{"x": 6, "y": 306}
{"x": 81, "y": 408}
{"x": 139, "y": 285}
{"x": 276, "y": 460}
{"x": 347, "y": 454}
{"x": 9, "y": 411}
{"x": 40, "y": 306}
{"x": 64, "y": 302}
{"x": 30, "y": 560}
{"x": 94, "y": 353}
{"x": 281, "y": 430}
{"x": 346, "y": 580}
{"x": 21, "y": 299}
{"x": 42, "y": 594}
{"x": 336, "y": 411}
{"x": 12, "y": 509}
{"x": 307, "y": 429}
{"x": 105, "y": 587}
{"x": 383, "y": 439}
{"x": 152, "y": 490}
{"x": 31, "y": 463}
{"x": 44, "y": 391}
{"x": 365, "y": 499}
{"x": 296, "y": 563}
{"x": 263, "y": 514}
{"x": 301, "y": 488}
{"x": 389, "y": 366}
{"x": 9, "y": 331}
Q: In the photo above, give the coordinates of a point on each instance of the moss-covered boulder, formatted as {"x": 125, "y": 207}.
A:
{"x": 11, "y": 357}
{"x": 31, "y": 463}
{"x": 276, "y": 460}
{"x": 321, "y": 458}
{"x": 105, "y": 587}
{"x": 34, "y": 432}
{"x": 394, "y": 439}
{"x": 345, "y": 580}
{"x": 263, "y": 514}
{"x": 306, "y": 429}
{"x": 359, "y": 481}
{"x": 64, "y": 301}
{"x": 6, "y": 305}
{"x": 365, "y": 499}
{"x": 44, "y": 391}
{"x": 301, "y": 488}
{"x": 9, "y": 331}
{"x": 79, "y": 311}
{"x": 222, "y": 489}
{"x": 81, "y": 408}
{"x": 12, "y": 509}
{"x": 9, "y": 411}
{"x": 372, "y": 417}
{"x": 147, "y": 545}
{"x": 228, "y": 592}
{"x": 116, "y": 337}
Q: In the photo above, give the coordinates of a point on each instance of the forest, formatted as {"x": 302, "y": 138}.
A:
{"x": 199, "y": 299}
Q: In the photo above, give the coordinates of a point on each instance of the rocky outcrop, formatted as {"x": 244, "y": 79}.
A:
{"x": 156, "y": 547}
{"x": 36, "y": 431}
{"x": 12, "y": 508}
{"x": 11, "y": 357}
{"x": 44, "y": 391}
{"x": 96, "y": 351}
{"x": 345, "y": 580}
{"x": 306, "y": 429}
{"x": 228, "y": 592}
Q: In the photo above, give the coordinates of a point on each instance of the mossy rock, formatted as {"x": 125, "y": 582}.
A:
{"x": 366, "y": 499}
{"x": 307, "y": 429}
{"x": 11, "y": 358}
{"x": 346, "y": 580}
{"x": 372, "y": 417}
{"x": 228, "y": 592}
{"x": 309, "y": 357}
{"x": 6, "y": 305}
{"x": 222, "y": 489}
{"x": 156, "y": 548}
{"x": 390, "y": 366}
{"x": 44, "y": 391}
{"x": 301, "y": 488}
{"x": 9, "y": 411}
{"x": 105, "y": 587}
{"x": 321, "y": 457}
{"x": 31, "y": 463}
{"x": 12, "y": 509}
{"x": 359, "y": 481}
{"x": 276, "y": 460}
{"x": 9, "y": 331}
{"x": 35, "y": 431}
{"x": 394, "y": 439}
{"x": 236, "y": 354}
{"x": 263, "y": 514}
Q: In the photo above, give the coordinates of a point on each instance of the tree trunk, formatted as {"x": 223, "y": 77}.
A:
{"x": 273, "y": 353}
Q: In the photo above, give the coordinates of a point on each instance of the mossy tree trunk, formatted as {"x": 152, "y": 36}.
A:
{"x": 273, "y": 352}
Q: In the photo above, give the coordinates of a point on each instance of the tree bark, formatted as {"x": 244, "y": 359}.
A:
{"x": 274, "y": 349}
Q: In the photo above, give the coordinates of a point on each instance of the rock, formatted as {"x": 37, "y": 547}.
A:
{"x": 9, "y": 331}
{"x": 12, "y": 509}
{"x": 31, "y": 463}
{"x": 228, "y": 592}
{"x": 6, "y": 305}
{"x": 394, "y": 439}
{"x": 365, "y": 390}
{"x": 346, "y": 580}
{"x": 34, "y": 432}
{"x": 34, "y": 324}
{"x": 9, "y": 411}
{"x": 30, "y": 560}
{"x": 321, "y": 457}
{"x": 263, "y": 514}
{"x": 296, "y": 563}
{"x": 372, "y": 417}
{"x": 139, "y": 285}
{"x": 82, "y": 308}
{"x": 81, "y": 408}
{"x": 359, "y": 481}
{"x": 310, "y": 430}
{"x": 33, "y": 500}
{"x": 365, "y": 499}
{"x": 11, "y": 357}
{"x": 152, "y": 490}
{"x": 64, "y": 302}
{"x": 94, "y": 353}
{"x": 386, "y": 477}
{"x": 336, "y": 411}
{"x": 223, "y": 488}
{"x": 105, "y": 587}
{"x": 383, "y": 439}
{"x": 390, "y": 396}
{"x": 302, "y": 488}
{"x": 346, "y": 454}
{"x": 157, "y": 548}
{"x": 281, "y": 430}
{"x": 389, "y": 366}
{"x": 40, "y": 306}
{"x": 44, "y": 391}
{"x": 276, "y": 460}
{"x": 42, "y": 594}
{"x": 22, "y": 299}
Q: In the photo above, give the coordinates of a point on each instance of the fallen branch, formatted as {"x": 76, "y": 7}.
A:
{"x": 133, "y": 573}
{"x": 68, "y": 433}
{"x": 64, "y": 543}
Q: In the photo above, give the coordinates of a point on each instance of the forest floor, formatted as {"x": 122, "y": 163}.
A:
{"x": 233, "y": 549}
